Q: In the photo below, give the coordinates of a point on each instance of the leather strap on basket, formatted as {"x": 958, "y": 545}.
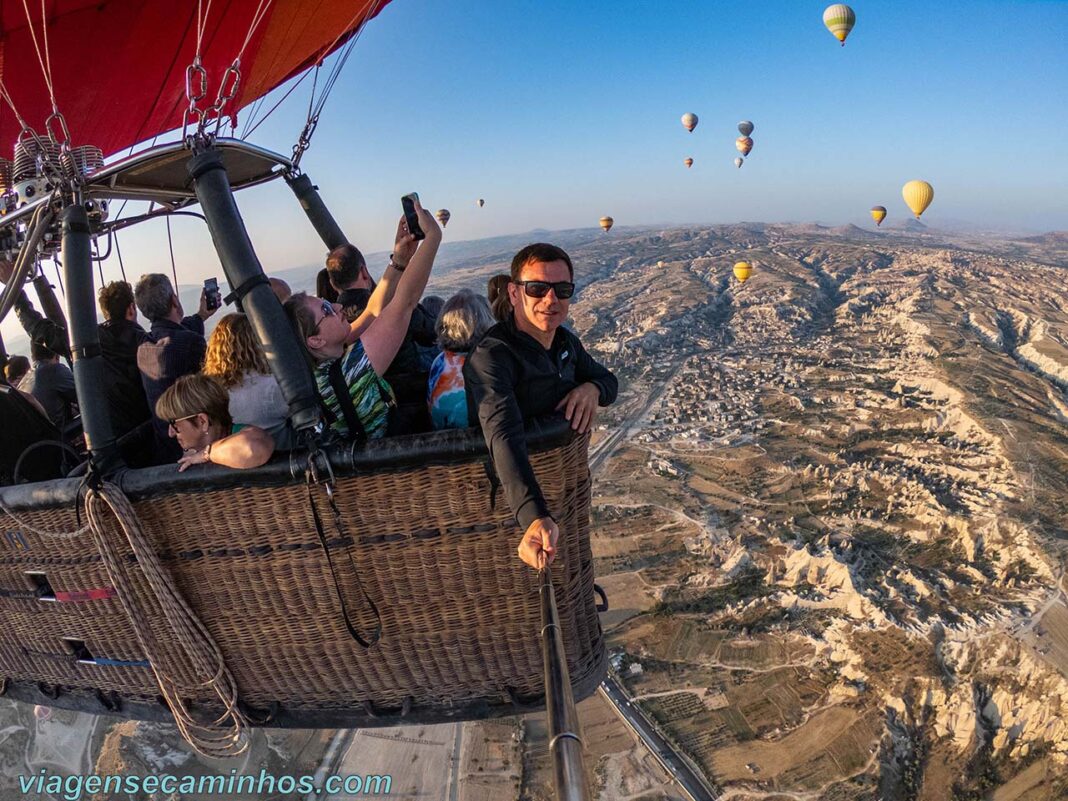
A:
{"x": 313, "y": 478}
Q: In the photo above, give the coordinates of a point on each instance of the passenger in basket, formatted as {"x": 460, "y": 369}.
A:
{"x": 407, "y": 373}
{"x": 197, "y": 411}
{"x": 236, "y": 360}
{"x": 351, "y": 358}
{"x": 527, "y": 366}
{"x": 497, "y": 294}
{"x": 464, "y": 318}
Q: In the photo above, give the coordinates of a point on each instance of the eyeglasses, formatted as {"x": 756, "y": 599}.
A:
{"x": 174, "y": 422}
{"x": 328, "y": 311}
{"x": 539, "y": 289}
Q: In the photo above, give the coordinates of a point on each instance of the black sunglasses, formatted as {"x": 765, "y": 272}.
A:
{"x": 539, "y": 289}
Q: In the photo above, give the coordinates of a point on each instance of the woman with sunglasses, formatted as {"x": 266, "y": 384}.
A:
{"x": 529, "y": 365}
{"x": 196, "y": 409}
{"x": 351, "y": 359}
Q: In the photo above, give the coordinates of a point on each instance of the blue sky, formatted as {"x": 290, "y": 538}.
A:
{"x": 557, "y": 112}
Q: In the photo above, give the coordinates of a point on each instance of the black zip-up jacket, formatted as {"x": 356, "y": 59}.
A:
{"x": 509, "y": 378}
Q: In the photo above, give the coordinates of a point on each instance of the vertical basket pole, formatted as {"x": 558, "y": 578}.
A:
{"x": 242, "y": 267}
{"x": 90, "y": 377}
{"x": 565, "y": 738}
{"x": 321, "y": 219}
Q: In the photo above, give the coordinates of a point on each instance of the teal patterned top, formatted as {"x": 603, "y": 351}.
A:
{"x": 371, "y": 395}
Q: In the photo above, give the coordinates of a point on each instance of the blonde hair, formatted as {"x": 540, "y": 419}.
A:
{"x": 196, "y": 394}
{"x": 464, "y": 318}
{"x": 233, "y": 352}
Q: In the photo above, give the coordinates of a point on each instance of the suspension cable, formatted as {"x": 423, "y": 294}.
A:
{"x": 118, "y": 252}
{"x": 170, "y": 245}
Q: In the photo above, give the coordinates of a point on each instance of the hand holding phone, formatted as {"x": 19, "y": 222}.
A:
{"x": 411, "y": 217}
{"x": 212, "y": 294}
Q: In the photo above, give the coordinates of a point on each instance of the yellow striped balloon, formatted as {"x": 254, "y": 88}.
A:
{"x": 688, "y": 162}
{"x": 606, "y": 223}
{"x": 839, "y": 20}
{"x": 689, "y": 121}
{"x": 878, "y": 213}
{"x": 744, "y": 145}
{"x": 918, "y": 196}
{"x": 742, "y": 271}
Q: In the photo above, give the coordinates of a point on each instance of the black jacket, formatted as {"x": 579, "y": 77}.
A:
{"x": 170, "y": 351}
{"x": 509, "y": 378}
{"x": 22, "y": 425}
{"x": 119, "y": 340}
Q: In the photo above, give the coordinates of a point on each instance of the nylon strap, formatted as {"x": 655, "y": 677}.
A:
{"x": 239, "y": 292}
{"x": 341, "y": 391}
{"x": 377, "y": 634}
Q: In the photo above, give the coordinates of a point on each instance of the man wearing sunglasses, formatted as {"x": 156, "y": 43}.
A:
{"x": 527, "y": 366}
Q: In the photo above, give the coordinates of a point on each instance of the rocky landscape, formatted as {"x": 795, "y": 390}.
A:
{"x": 830, "y": 512}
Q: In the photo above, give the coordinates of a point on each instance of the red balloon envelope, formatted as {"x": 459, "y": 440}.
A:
{"x": 118, "y": 66}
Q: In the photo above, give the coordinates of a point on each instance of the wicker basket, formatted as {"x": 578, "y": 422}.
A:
{"x": 426, "y": 537}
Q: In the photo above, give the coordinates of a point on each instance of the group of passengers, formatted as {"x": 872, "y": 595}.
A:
{"x": 383, "y": 361}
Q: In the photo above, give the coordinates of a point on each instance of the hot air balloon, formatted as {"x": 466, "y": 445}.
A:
{"x": 443, "y": 216}
{"x": 918, "y": 196}
{"x": 745, "y": 127}
{"x": 689, "y": 121}
{"x": 742, "y": 271}
{"x": 660, "y": 264}
{"x": 480, "y": 202}
{"x": 878, "y": 213}
{"x": 606, "y": 223}
{"x": 744, "y": 145}
{"x": 688, "y": 162}
{"x": 839, "y": 19}
{"x": 738, "y": 162}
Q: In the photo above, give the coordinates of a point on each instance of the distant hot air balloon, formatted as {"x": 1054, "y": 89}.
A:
{"x": 878, "y": 213}
{"x": 689, "y": 121}
{"x": 42, "y": 713}
{"x": 688, "y": 162}
{"x": 839, "y": 20}
{"x": 918, "y": 196}
{"x": 738, "y": 162}
{"x": 480, "y": 202}
{"x": 745, "y": 127}
{"x": 443, "y": 216}
{"x": 606, "y": 223}
{"x": 744, "y": 145}
{"x": 742, "y": 271}
{"x": 660, "y": 264}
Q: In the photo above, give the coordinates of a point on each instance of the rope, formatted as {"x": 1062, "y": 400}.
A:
{"x": 188, "y": 660}
{"x": 43, "y": 60}
{"x": 118, "y": 252}
{"x": 170, "y": 246}
{"x": 41, "y": 532}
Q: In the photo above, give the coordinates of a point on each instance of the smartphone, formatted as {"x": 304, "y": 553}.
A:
{"x": 214, "y": 296}
{"x": 408, "y": 204}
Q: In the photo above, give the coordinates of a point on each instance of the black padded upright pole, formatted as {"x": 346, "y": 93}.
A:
{"x": 321, "y": 219}
{"x": 242, "y": 267}
{"x": 90, "y": 375}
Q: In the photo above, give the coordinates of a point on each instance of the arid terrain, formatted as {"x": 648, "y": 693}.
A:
{"x": 830, "y": 514}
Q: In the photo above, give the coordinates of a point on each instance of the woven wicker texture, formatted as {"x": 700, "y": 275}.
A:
{"x": 460, "y": 613}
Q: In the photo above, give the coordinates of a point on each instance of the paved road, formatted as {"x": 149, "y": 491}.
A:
{"x": 679, "y": 769}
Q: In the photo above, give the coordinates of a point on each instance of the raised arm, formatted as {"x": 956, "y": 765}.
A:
{"x": 383, "y": 337}
{"x": 404, "y": 246}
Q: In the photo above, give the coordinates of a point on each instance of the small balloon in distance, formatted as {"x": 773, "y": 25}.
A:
{"x": 839, "y": 19}
{"x": 744, "y": 145}
{"x": 443, "y": 216}
{"x": 878, "y": 213}
{"x": 745, "y": 127}
{"x": 738, "y": 162}
{"x": 742, "y": 271}
{"x": 606, "y": 223}
{"x": 689, "y": 121}
{"x": 480, "y": 202}
{"x": 688, "y": 162}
